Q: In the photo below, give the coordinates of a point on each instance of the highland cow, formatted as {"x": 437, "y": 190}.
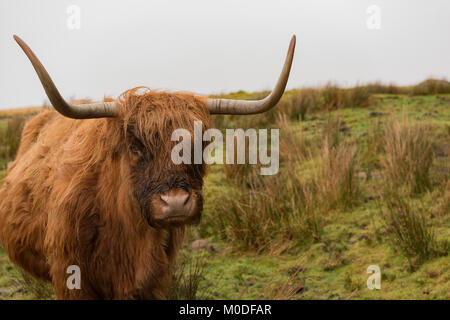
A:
{"x": 93, "y": 185}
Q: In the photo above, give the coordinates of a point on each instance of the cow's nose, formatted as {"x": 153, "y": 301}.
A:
{"x": 176, "y": 202}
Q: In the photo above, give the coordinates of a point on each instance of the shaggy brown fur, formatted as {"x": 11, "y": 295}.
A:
{"x": 79, "y": 193}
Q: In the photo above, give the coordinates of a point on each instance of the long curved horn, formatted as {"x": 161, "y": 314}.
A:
{"x": 84, "y": 111}
{"x": 229, "y": 106}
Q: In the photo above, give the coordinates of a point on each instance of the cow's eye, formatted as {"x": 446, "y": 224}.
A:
{"x": 137, "y": 148}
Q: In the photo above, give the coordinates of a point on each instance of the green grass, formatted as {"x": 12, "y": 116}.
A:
{"x": 352, "y": 238}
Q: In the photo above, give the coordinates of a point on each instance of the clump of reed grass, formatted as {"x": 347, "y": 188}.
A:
{"x": 408, "y": 155}
{"x": 358, "y": 97}
{"x": 186, "y": 278}
{"x": 274, "y": 215}
{"x": 334, "y": 97}
{"x": 293, "y": 144}
{"x": 336, "y": 182}
{"x": 300, "y": 103}
{"x": 409, "y": 230}
{"x": 331, "y": 133}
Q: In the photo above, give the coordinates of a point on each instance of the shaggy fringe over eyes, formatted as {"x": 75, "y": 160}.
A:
{"x": 150, "y": 115}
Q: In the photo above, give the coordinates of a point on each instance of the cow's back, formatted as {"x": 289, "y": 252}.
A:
{"x": 25, "y": 191}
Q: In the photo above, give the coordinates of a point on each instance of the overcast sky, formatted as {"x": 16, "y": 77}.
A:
{"x": 208, "y": 46}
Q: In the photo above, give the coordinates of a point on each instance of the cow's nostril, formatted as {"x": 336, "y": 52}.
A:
{"x": 188, "y": 198}
{"x": 164, "y": 199}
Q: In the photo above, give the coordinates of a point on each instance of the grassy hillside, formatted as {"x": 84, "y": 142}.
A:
{"x": 364, "y": 180}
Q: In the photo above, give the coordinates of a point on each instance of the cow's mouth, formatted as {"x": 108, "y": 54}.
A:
{"x": 173, "y": 221}
{"x": 183, "y": 220}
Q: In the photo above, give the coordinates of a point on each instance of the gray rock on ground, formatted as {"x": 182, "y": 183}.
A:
{"x": 202, "y": 244}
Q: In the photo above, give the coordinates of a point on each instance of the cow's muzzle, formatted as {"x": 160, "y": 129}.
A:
{"x": 177, "y": 206}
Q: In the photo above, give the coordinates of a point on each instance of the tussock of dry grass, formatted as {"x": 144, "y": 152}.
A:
{"x": 273, "y": 218}
{"x": 337, "y": 183}
{"x": 409, "y": 229}
{"x": 241, "y": 174}
{"x": 299, "y": 104}
{"x": 186, "y": 277}
{"x": 331, "y": 134}
{"x": 293, "y": 144}
{"x": 408, "y": 155}
{"x": 334, "y": 97}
